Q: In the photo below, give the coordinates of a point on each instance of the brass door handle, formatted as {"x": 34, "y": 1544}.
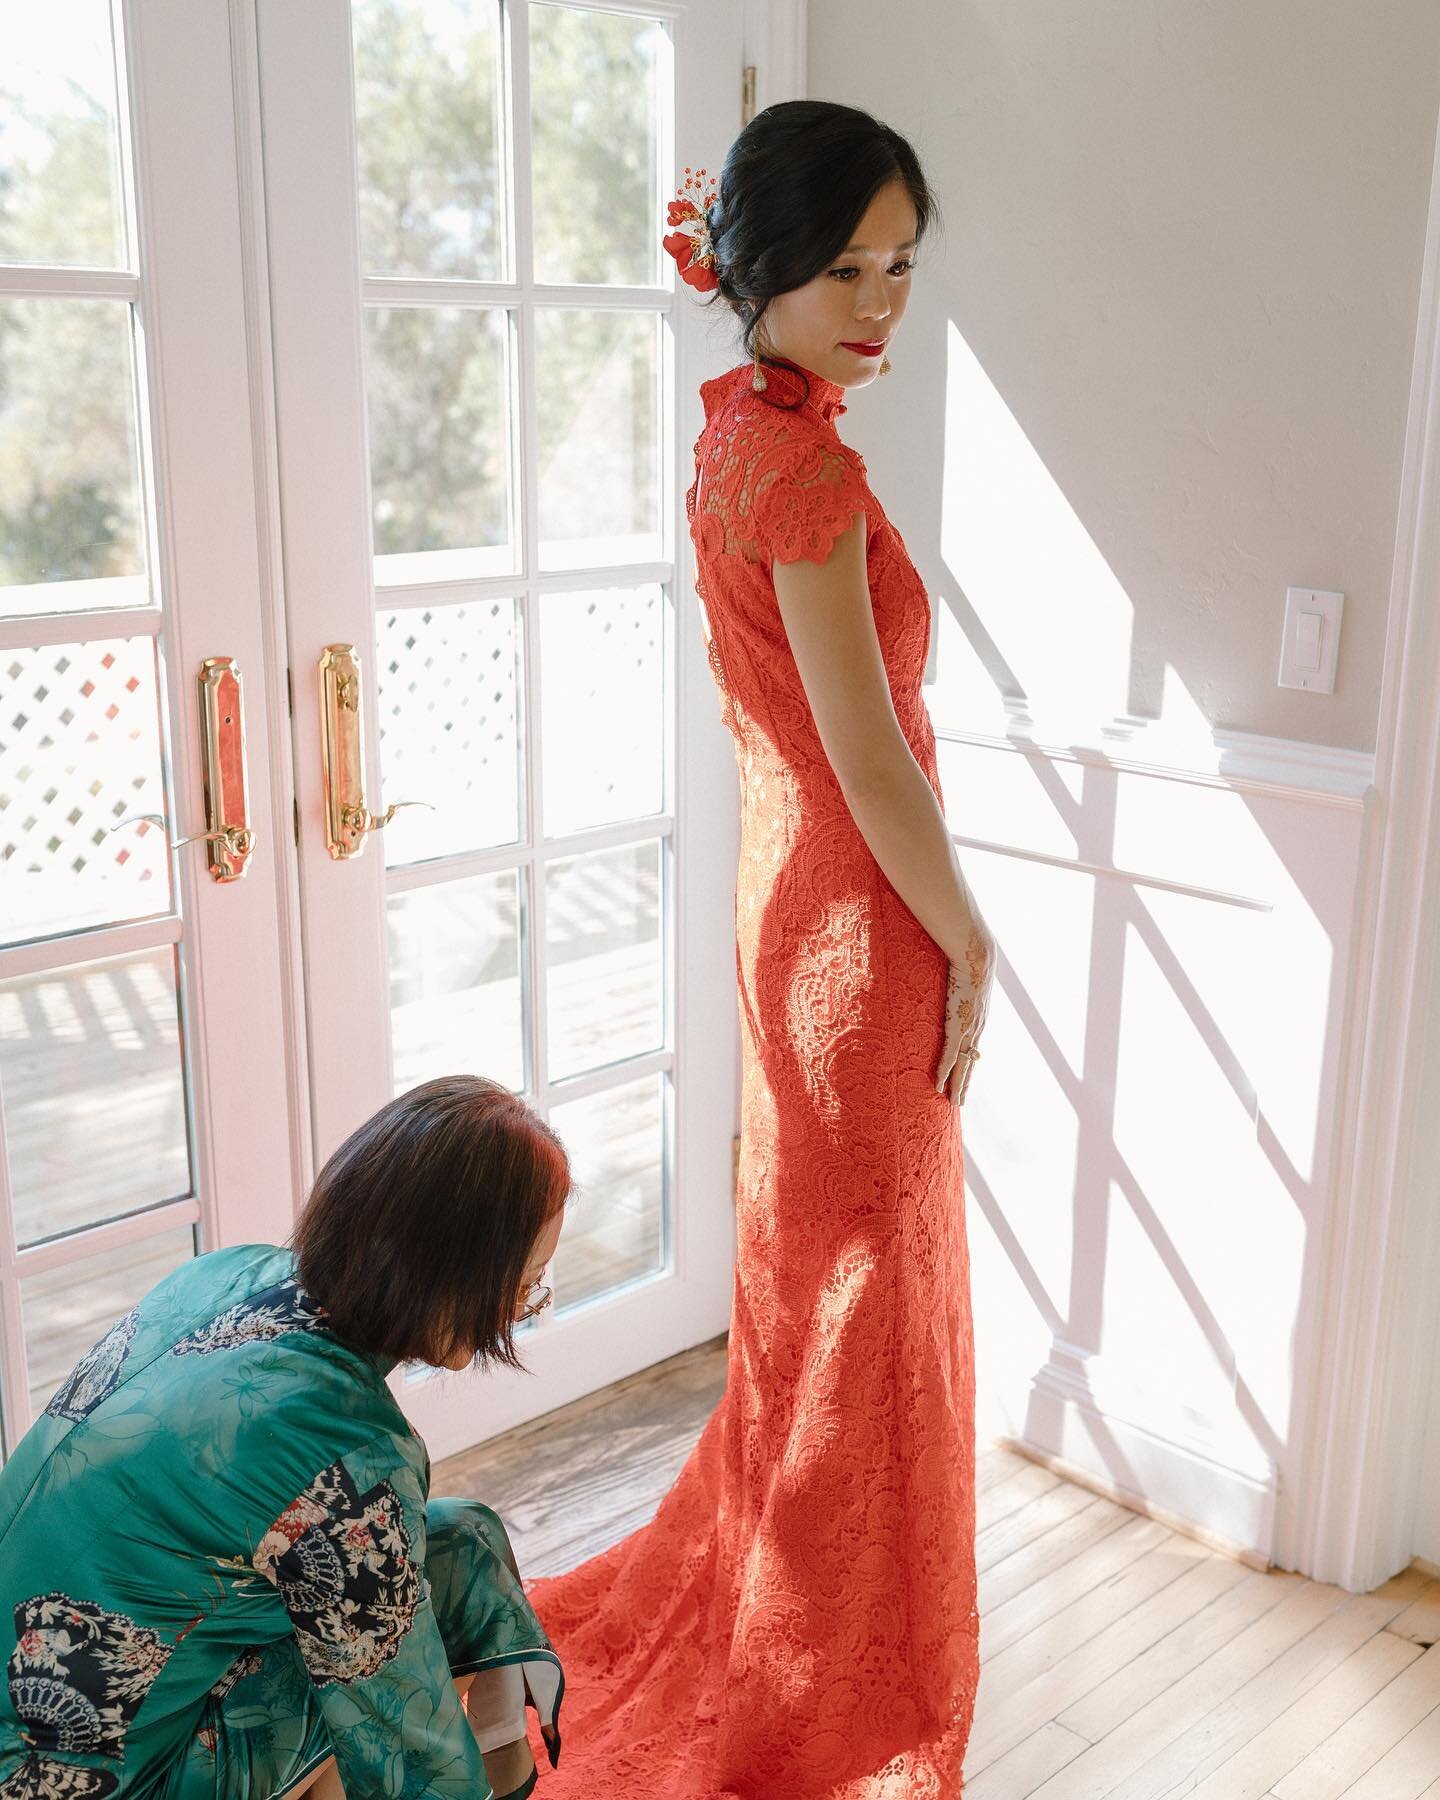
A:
{"x": 222, "y": 762}
{"x": 239, "y": 840}
{"x": 348, "y": 820}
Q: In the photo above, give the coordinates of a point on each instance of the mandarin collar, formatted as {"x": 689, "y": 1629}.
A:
{"x": 826, "y": 397}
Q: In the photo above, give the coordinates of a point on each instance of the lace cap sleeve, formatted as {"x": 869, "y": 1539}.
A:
{"x": 806, "y": 493}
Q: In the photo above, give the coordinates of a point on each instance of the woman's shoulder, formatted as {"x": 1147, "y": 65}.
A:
{"x": 283, "y": 1405}
{"x": 775, "y": 477}
{"x": 753, "y": 438}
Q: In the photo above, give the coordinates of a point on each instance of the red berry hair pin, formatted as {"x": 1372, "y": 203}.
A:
{"x": 690, "y": 242}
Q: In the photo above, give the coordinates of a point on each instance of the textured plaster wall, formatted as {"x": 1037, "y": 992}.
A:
{"x": 1183, "y": 244}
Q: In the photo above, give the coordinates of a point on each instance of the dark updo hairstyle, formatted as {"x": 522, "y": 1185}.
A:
{"x": 418, "y": 1231}
{"x": 795, "y": 184}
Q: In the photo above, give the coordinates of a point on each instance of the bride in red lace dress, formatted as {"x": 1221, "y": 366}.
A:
{"x": 799, "y": 1619}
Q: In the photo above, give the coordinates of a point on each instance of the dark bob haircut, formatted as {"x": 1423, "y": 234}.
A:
{"x": 418, "y": 1231}
{"x": 795, "y": 184}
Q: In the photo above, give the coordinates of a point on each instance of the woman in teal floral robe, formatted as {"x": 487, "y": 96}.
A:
{"x": 216, "y": 1544}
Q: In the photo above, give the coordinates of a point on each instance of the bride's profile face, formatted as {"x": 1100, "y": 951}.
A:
{"x": 858, "y": 298}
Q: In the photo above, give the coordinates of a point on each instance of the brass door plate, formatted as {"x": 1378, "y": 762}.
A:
{"x": 347, "y": 818}
{"x": 227, "y": 835}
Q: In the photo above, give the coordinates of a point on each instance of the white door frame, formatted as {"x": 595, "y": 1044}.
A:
{"x": 198, "y": 433}
{"x": 1353, "y": 1519}
{"x": 303, "y": 62}
{"x": 201, "y": 397}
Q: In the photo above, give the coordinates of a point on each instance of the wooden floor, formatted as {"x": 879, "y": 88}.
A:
{"x": 1119, "y": 1659}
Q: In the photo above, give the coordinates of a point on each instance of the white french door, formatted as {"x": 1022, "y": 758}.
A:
{"x": 478, "y": 363}
{"x": 347, "y": 330}
{"x": 147, "y": 1079}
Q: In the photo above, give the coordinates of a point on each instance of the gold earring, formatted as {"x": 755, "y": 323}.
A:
{"x": 758, "y": 380}
{"x": 884, "y": 365}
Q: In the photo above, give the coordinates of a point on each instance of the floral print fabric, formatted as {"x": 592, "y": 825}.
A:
{"x": 342, "y": 1564}
{"x": 78, "y": 1673}
{"x": 215, "y": 1552}
{"x": 97, "y": 1373}
{"x": 43, "y": 1778}
{"x": 257, "y": 1319}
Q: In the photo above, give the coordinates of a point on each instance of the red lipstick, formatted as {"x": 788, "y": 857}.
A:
{"x": 871, "y": 349}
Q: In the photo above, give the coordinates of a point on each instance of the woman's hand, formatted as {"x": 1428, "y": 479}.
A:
{"x": 967, "y": 1001}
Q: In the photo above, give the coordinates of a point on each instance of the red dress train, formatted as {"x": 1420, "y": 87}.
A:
{"x": 799, "y": 1619}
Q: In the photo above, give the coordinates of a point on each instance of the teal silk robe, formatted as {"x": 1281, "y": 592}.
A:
{"x": 222, "y": 1567}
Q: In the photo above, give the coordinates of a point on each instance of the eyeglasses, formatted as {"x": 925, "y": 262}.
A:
{"x": 537, "y": 1297}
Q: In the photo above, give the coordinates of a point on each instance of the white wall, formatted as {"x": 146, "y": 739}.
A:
{"x": 1182, "y": 244}
{"x": 1155, "y": 369}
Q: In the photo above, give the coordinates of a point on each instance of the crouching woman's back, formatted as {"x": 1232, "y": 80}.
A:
{"x": 217, "y": 1546}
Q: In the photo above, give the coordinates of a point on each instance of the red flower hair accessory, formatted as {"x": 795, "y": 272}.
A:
{"x": 690, "y": 243}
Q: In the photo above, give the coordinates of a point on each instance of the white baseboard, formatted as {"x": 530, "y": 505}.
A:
{"x": 1085, "y": 1420}
{"x": 1137, "y": 1503}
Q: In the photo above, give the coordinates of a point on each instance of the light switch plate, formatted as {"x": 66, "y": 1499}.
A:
{"x": 1311, "y": 642}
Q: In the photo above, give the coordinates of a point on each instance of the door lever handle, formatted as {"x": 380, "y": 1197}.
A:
{"x": 359, "y": 818}
{"x": 222, "y": 762}
{"x": 348, "y": 820}
{"x": 239, "y": 840}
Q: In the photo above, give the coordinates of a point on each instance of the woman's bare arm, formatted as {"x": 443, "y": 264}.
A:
{"x": 831, "y": 627}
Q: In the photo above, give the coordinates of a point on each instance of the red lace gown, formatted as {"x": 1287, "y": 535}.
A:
{"x": 799, "y": 1619}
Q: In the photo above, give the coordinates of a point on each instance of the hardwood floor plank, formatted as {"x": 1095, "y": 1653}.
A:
{"x": 1354, "y": 1747}
{"x": 1133, "y": 1737}
{"x": 1025, "y": 1524}
{"x": 1002, "y": 1719}
{"x": 1407, "y": 1768}
{"x": 1020, "y": 1771}
{"x": 578, "y": 1480}
{"x": 1095, "y": 1611}
{"x": 995, "y": 1463}
{"x": 1420, "y": 1622}
{"x": 1018, "y": 1489}
{"x": 1273, "y": 1753}
{"x": 1249, "y": 1708}
{"x": 1026, "y": 1589}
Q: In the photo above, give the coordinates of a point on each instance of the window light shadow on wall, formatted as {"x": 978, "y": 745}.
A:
{"x": 1150, "y": 1147}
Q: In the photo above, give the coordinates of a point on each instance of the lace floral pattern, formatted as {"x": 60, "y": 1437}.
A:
{"x": 800, "y": 1617}
{"x": 807, "y": 497}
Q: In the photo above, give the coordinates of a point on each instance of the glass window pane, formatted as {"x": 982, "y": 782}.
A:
{"x": 449, "y": 696}
{"x": 614, "y": 1230}
{"x": 602, "y": 689}
{"x": 68, "y": 1310}
{"x": 596, "y": 85}
{"x": 94, "y": 1092}
{"x": 598, "y": 395}
{"x": 455, "y": 981}
{"x": 604, "y": 957}
{"x": 438, "y": 389}
{"x": 79, "y": 751}
{"x": 427, "y": 117}
{"x": 59, "y": 152}
{"x": 71, "y": 519}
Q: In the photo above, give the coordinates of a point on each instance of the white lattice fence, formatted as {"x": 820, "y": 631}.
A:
{"x": 79, "y": 750}
{"x": 448, "y": 726}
